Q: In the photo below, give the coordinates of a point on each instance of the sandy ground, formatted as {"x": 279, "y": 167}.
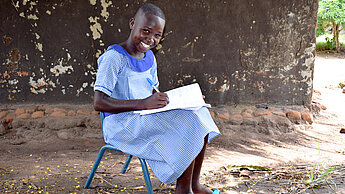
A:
{"x": 309, "y": 147}
{"x": 248, "y": 163}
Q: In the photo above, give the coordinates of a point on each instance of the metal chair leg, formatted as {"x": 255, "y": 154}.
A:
{"x": 129, "y": 158}
{"x": 95, "y": 166}
{"x": 125, "y": 166}
{"x": 146, "y": 176}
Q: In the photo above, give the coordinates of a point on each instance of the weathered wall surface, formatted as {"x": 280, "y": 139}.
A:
{"x": 238, "y": 51}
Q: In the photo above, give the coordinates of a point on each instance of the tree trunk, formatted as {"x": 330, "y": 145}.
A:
{"x": 336, "y": 31}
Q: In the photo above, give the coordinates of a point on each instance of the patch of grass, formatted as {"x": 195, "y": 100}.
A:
{"x": 320, "y": 176}
{"x": 342, "y": 151}
{"x": 322, "y": 44}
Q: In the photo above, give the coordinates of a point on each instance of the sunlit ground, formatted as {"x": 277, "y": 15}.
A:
{"x": 328, "y": 73}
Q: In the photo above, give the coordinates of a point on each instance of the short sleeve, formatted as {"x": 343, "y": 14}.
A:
{"x": 154, "y": 73}
{"x": 109, "y": 67}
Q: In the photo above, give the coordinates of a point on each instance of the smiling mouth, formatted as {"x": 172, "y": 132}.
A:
{"x": 145, "y": 45}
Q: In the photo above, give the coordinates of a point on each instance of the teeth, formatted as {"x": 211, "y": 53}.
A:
{"x": 145, "y": 45}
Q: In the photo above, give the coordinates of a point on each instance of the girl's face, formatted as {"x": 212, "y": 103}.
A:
{"x": 146, "y": 31}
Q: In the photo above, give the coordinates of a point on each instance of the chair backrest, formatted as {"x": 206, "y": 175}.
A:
{"x": 102, "y": 115}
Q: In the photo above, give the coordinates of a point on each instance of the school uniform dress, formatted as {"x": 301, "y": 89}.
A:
{"x": 169, "y": 140}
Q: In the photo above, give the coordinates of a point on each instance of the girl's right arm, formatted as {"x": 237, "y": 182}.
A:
{"x": 104, "y": 103}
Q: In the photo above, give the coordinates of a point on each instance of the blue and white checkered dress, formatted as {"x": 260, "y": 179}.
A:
{"x": 170, "y": 140}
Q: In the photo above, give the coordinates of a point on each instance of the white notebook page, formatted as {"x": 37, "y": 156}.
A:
{"x": 187, "y": 97}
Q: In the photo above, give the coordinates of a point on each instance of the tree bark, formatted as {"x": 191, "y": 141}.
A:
{"x": 336, "y": 31}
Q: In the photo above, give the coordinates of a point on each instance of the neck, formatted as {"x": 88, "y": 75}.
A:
{"x": 132, "y": 50}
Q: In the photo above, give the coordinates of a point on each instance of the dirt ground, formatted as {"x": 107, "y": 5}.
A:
{"x": 310, "y": 159}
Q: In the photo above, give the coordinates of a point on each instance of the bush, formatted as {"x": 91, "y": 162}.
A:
{"x": 326, "y": 42}
{"x": 321, "y": 46}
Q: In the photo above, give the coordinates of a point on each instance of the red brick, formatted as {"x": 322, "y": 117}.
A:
{"x": 9, "y": 118}
{"x": 19, "y": 111}
{"x": 225, "y": 116}
{"x": 261, "y": 113}
{"x": 37, "y": 114}
{"x": 246, "y": 115}
{"x": 3, "y": 114}
{"x": 235, "y": 116}
{"x": 71, "y": 113}
{"x": 24, "y": 116}
{"x": 294, "y": 115}
{"x": 41, "y": 108}
{"x": 307, "y": 117}
{"x": 279, "y": 114}
{"x": 83, "y": 112}
{"x": 30, "y": 110}
{"x": 59, "y": 110}
{"x": 58, "y": 114}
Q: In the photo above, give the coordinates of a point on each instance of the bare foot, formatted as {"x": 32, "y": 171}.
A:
{"x": 201, "y": 190}
{"x": 181, "y": 190}
{"x": 177, "y": 191}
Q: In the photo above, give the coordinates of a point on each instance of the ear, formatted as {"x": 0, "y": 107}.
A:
{"x": 131, "y": 23}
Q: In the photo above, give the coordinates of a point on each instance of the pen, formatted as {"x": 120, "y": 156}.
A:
{"x": 152, "y": 84}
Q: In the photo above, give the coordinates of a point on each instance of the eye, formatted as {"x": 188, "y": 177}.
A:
{"x": 146, "y": 31}
{"x": 158, "y": 36}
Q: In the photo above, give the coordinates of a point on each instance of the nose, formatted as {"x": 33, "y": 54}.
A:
{"x": 150, "y": 39}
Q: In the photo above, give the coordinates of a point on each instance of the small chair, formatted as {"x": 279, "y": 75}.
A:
{"x": 129, "y": 158}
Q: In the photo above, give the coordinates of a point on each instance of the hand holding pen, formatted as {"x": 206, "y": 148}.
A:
{"x": 156, "y": 100}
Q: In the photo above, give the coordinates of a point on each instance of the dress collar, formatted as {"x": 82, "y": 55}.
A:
{"x": 138, "y": 65}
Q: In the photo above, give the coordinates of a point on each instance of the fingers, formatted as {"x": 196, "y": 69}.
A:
{"x": 157, "y": 100}
{"x": 162, "y": 97}
{"x": 162, "y": 94}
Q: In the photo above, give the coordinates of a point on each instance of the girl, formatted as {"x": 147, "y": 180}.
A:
{"x": 172, "y": 142}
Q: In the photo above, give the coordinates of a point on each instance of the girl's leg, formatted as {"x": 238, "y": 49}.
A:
{"x": 196, "y": 186}
{"x": 184, "y": 182}
{"x": 189, "y": 181}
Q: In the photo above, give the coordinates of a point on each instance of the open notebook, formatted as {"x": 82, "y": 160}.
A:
{"x": 187, "y": 97}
